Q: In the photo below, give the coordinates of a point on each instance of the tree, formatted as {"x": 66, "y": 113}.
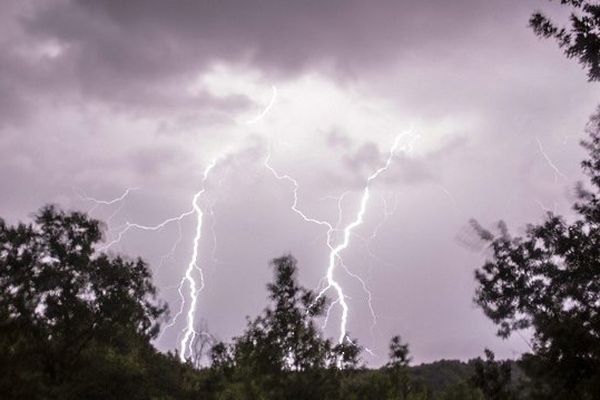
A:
{"x": 201, "y": 345}
{"x": 282, "y": 350}
{"x": 493, "y": 378}
{"x": 461, "y": 391}
{"x": 71, "y": 318}
{"x": 548, "y": 281}
{"x": 581, "y": 40}
{"x": 402, "y": 386}
{"x": 399, "y": 353}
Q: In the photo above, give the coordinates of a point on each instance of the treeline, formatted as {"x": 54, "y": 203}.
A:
{"x": 78, "y": 324}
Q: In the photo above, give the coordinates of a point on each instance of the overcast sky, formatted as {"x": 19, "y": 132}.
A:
{"x": 100, "y": 96}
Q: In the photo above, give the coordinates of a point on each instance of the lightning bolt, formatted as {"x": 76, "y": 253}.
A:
{"x": 171, "y": 252}
{"x": 128, "y": 226}
{"x": 334, "y": 255}
{"x": 97, "y": 202}
{"x": 192, "y": 282}
{"x": 190, "y": 333}
{"x": 131, "y": 225}
{"x": 557, "y": 172}
{"x": 193, "y": 278}
{"x": 179, "y": 312}
{"x": 371, "y": 352}
{"x": 335, "y": 251}
{"x": 267, "y": 108}
{"x": 188, "y": 280}
{"x": 387, "y": 213}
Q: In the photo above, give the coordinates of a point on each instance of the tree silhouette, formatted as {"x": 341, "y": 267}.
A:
{"x": 76, "y": 323}
{"x": 493, "y": 378}
{"x": 399, "y": 353}
{"x": 549, "y": 281}
{"x": 581, "y": 40}
{"x": 282, "y": 350}
{"x": 64, "y": 308}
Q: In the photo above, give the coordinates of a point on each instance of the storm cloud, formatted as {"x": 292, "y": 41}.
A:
{"x": 100, "y": 96}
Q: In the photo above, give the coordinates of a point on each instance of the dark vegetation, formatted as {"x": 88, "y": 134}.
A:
{"x": 78, "y": 324}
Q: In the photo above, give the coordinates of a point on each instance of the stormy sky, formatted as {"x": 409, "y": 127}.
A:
{"x": 100, "y": 96}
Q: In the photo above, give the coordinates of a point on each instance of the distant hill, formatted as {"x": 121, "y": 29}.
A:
{"x": 438, "y": 375}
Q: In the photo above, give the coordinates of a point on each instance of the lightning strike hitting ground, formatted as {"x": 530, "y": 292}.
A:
{"x": 190, "y": 333}
{"x": 129, "y": 226}
{"x": 335, "y": 251}
{"x": 334, "y": 255}
{"x": 341, "y": 298}
{"x": 193, "y": 278}
{"x": 188, "y": 279}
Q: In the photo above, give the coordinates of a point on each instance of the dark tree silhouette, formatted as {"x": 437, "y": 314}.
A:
{"x": 581, "y": 40}
{"x": 399, "y": 353}
{"x": 65, "y": 307}
{"x": 493, "y": 378}
{"x": 549, "y": 281}
{"x": 76, "y": 323}
{"x": 282, "y": 350}
{"x": 402, "y": 386}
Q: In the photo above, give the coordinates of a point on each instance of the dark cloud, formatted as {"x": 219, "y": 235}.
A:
{"x": 131, "y": 51}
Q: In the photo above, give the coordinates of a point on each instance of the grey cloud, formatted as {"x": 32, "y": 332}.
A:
{"x": 337, "y": 139}
{"x": 408, "y": 170}
{"x": 136, "y": 55}
{"x": 130, "y": 49}
{"x": 366, "y": 158}
{"x": 404, "y": 169}
{"x": 153, "y": 161}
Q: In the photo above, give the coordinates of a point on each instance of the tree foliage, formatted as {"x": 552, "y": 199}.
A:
{"x": 493, "y": 378}
{"x": 74, "y": 323}
{"x": 548, "y": 281}
{"x": 581, "y": 40}
{"x": 282, "y": 349}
